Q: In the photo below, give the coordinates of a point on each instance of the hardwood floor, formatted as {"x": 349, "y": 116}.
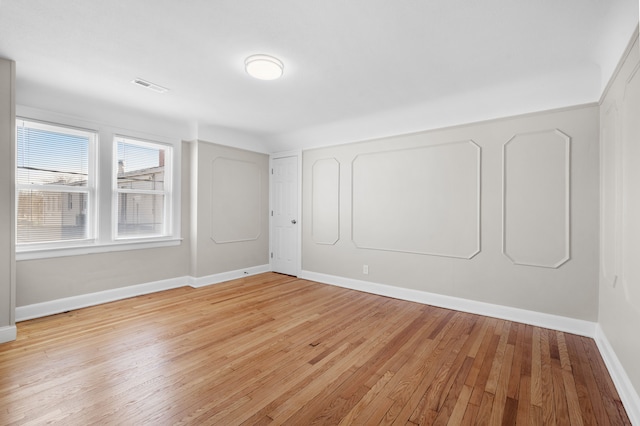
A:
{"x": 276, "y": 349}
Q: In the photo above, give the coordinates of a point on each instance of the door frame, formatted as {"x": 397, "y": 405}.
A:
{"x": 284, "y": 154}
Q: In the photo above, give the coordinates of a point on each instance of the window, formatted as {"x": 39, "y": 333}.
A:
{"x": 55, "y": 184}
{"x": 84, "y": 191}
{"x": 142, "y": 189}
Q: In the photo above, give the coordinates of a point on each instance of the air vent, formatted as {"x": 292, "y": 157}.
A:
{"x": 149, "y": 85}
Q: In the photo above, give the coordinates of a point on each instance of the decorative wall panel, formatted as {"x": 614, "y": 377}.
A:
{"x": 536, "y": 198}
{"x": 235, "y": 200}
{"x": 631, "y": 189}
{"x": 424, "y": 200}
{"x": 325, "y": 201}
{"x": 610, "y": 169}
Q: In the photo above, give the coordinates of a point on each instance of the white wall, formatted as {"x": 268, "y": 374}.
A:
{"x": 7, "y": 237}
{"x": 503, "y": 212}
{"x": 230, "y": 227}
{"x": 619, "y": 306}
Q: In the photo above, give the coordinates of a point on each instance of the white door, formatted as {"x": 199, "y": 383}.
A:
{"x": 285, "y": 223}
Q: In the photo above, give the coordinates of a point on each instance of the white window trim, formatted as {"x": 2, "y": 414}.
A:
{"x": 168, "y": 192}
{"x": 103, "y": 241}
{"x": 90, "y": 188}
{"x": 85, "y": 249}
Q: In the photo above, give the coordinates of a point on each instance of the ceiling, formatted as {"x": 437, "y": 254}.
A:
{"x": 353, "y": 69}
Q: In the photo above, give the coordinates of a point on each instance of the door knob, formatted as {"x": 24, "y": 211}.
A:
{"x": 293, "y": 221}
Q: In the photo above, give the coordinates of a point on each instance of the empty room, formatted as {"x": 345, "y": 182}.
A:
{"x": 295, "y": 212}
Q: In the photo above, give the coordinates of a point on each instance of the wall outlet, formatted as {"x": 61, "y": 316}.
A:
{"x": 365, "y": 269}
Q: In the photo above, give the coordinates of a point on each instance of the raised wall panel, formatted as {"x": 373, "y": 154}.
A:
{"x": 610, "y": 217}
{"x": 631, "y": 190}
{"x": 536, "y": 199}
{"x": 235, "y": 200}
{"x": 424, "y": 200}
{"x": 325, "y": 201}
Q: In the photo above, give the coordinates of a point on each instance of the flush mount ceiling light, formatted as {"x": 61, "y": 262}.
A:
{"x": 264, "y": 67}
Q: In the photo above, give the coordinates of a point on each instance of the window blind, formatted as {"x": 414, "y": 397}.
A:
{"x": 53, "y": 183}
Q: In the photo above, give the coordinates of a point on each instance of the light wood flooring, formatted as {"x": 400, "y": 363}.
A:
{"x": 273, "y": 349}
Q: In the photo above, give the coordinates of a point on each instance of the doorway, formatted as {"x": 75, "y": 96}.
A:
{"x": 285, "y": 214}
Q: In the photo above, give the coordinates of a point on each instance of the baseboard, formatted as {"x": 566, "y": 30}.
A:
{"x": 57, "y": 306}
{"x": 556, "y": 322}
{"x": 227, "y": 276}
{"x": 8, "y": 333}
{"x": 628, "y": 395}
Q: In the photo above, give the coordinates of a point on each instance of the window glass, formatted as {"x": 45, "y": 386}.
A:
{"x": 53, "y": 183}
{"x": 143, "y": 172}
{"x": 48, "y": 157}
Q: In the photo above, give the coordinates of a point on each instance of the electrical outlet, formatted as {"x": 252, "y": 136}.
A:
{"x": 365, "y": 269}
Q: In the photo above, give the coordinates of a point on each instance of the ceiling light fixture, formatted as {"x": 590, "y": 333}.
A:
{"x": 264, "y": 67}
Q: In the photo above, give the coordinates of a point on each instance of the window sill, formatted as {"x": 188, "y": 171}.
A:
{"x": 80, "y": 250}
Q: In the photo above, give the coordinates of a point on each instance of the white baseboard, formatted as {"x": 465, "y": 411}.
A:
{"x": 8, "y": 333}
{"x": 57, "y": 306}
{"x": 628, "y": 395}
{"x": 556, "y": 322}
{"x": 227, "y": 276}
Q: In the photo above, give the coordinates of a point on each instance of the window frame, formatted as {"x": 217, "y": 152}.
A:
{"x": 103, "y": 238}
{"x": 167, "y": 192}
{"x": 89, "y": 189}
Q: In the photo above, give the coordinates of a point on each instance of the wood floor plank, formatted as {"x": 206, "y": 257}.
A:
{"x": 485, "y": 369}
{"x": 580, "y": 379}
{"x": 316, "y": 397}
{"x": 470, "y": 415}
{"x": 484, "y": 411}
{"x": 440, "y": 384}
{"x": 516, "y": 367}
{"x": 460, "y": 407}
{"x": 412, "y": 398}
{"x": 523, "y": 414}
{"x": 536, "y": 368}
{"x": 559, "y": 393}
{"x": 362, "y": 371}
{"x": 363, "y": 403}
{"x": 446, "y": 409}
{"x": 604, "y": 382}
{"x": 274, "y": 349}
{"x": 407, "y": 375}
{"x": 500, "y": 395}
{"x": 498, "y": 361}
{"x": 548, "y": 400}
{"x": 480, "y": 355}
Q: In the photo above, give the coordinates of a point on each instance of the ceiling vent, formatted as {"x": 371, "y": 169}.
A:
{"x": 148, "y": 85}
